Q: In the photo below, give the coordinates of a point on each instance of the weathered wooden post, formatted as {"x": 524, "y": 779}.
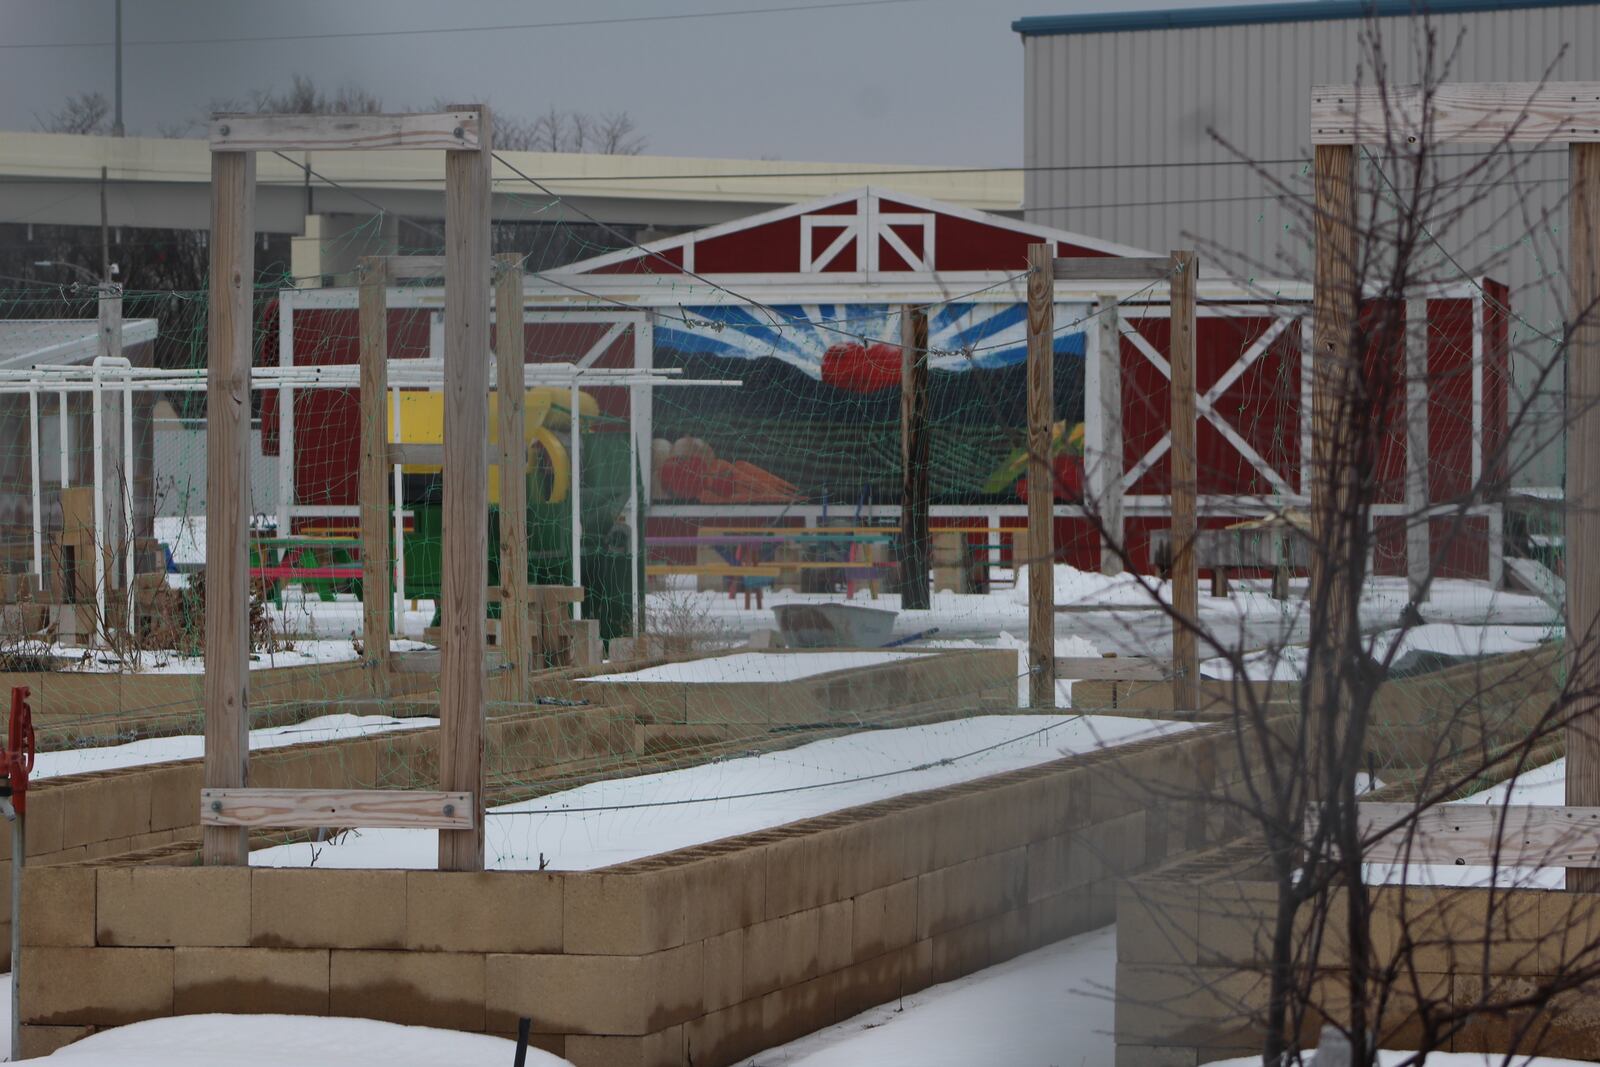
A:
{"x": 376, "y": 604}
{"x": 1041, "y": 552}
{"x": 465, "y": 517}
{"x": 1185, "y": 568}
{"x": 227, "y": 617}
{"x": 915, "y": 454}
{"x": 1583, "y": 489}
{"x": 510, "y": 375}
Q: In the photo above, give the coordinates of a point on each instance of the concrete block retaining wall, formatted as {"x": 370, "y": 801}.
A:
{"x": 1193, "y": 944}
{"x": 706, "y": 954}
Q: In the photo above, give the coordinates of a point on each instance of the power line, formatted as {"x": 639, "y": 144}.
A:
{"x": 438, "y": 31}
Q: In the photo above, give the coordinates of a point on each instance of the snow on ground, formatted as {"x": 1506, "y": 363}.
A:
{"x": 1447, "y": 639}
{"x": 185, "y": 536}
{"x": 1065, "y": 646}
{"x": 618, "y": 820}
{"x": 1391, "y": 1058}
{"x": 1049, "y": 1008}
{"x": 192, "y": 746}
{"x": 1112, "y": 612}
{"x": 758, "y": 667}
{"x": 305, "y": 653}
{"x": 289, "y": 1041}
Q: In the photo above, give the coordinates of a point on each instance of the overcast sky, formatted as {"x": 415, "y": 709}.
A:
{"x": 903, "y": 81}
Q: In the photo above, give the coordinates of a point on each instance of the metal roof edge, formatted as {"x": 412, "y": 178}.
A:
{"x": 1256, "y": 14}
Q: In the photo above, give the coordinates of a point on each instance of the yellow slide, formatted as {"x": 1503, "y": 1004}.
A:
{"x": 422, "y": 423}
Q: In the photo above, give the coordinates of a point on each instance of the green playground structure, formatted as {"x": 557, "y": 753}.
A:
{"x": 603, "y": 511}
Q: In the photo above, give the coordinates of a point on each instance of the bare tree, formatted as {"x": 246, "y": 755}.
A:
{"x": 1332, "y": 943}
{"x": 81, "y": 113}
{"x": 556, "y": 130}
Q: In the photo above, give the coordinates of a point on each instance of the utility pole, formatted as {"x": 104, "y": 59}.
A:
{"x": 116, "y": 125}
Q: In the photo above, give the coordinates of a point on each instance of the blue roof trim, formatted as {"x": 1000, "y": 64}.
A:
{"x": 1254, "y": 14}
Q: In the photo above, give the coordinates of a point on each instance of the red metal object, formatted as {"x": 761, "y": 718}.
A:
{"x": 20, "y": 748}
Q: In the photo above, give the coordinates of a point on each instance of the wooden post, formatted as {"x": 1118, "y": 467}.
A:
{"x": 1185, "y": 571}
{"x": 1583, "y": 489}
{"x": 1109, "y": 460}
{"x": 227, "y": 616}
{"x": 1041, "y": 552}
{"x": 465, "y": 516}
{"x": 1417, "y": 541}
{"x": 374, "y": 482}
{"x": 1332, "y": 388}
{"x": 512, "y": 461}
{"x": 915, "y": 454}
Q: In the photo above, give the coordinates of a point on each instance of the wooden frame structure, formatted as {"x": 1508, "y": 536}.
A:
{"x": 1345, "y": 116}
{"x": 465, "y": 134}
{"x": 1179, "y": 271}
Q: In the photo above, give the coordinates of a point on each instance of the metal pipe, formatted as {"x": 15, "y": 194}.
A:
{"x": 61, "y": 420}
{"x": 577, "y": 521}
{"x": 99, "y": 498}
{"x": 399, "y": 530}
{"x": 33, "y": 473}
{"x": 130, "y": 534}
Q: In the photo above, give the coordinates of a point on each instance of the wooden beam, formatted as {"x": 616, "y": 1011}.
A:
{"x": 510, "y": 356}
{"x": 916, "y": 444}
{"x": 1185, "y": 488}
{"x": 1041, "y": 551}
{"x": 1112, "y": 268}
{"x": 414, "y": 267}
{"x": 373, "y": 318}
{"x": 1334, "y": 371}
{"x": 1470, "y": 113}
{"x": 464, "y": 129}
{"x": 227, "y": 616}
{"x": 1109, "y": 459}
{"x": 466, "y": 498}
{"x": 304, "y": 809}
{"x": 1583, "y": 487}
{"x": 1515, "y": 835}
{"x": 1113, "y": 668}
{"x": 422, "y": 454}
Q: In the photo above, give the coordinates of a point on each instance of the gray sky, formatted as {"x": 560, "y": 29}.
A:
{"x": 925, "y": 81}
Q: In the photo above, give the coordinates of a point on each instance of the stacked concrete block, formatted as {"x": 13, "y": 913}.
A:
{"x": 701, "y": 956}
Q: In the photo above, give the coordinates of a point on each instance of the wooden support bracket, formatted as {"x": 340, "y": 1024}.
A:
{"x": 1112, "y": 268}
{"x": 301, "y": 809}
{"x": 1471, "y": 113}
{"x": 451, "y": 130}
{"x": 1113, "y": 669}
{"x": 1516, "y": 835}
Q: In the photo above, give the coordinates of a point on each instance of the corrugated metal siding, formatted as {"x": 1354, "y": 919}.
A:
{"x": 1144, "y": 100}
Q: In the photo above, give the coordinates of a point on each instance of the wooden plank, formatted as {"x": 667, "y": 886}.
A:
{"x": 414, "y": 267}
{"x": 916, "y": 451}
{"x": 1185, "y": 562}
{"x": 373, "y": 319}
{"x": 1041, "y": 551}
{"x": 1112, "y": 268}
{"x": 512, "y": 460}
{"x": 422, "y": 454}
{"x": 465, "y": 129}
{"x": 1109, "y": 460}
{"x": 1515, "y": 835}
{"x": 1583, "y": 486}
{"x": 304, "y": 809}
{"x": 466, "y": 492}
{"x": 1113, "y": 668}
{"x": 227, "y": 616}
{"x": 1468, "y": 113}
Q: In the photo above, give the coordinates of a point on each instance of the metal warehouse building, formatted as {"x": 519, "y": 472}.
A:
{"x": 1119, "y": 107}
